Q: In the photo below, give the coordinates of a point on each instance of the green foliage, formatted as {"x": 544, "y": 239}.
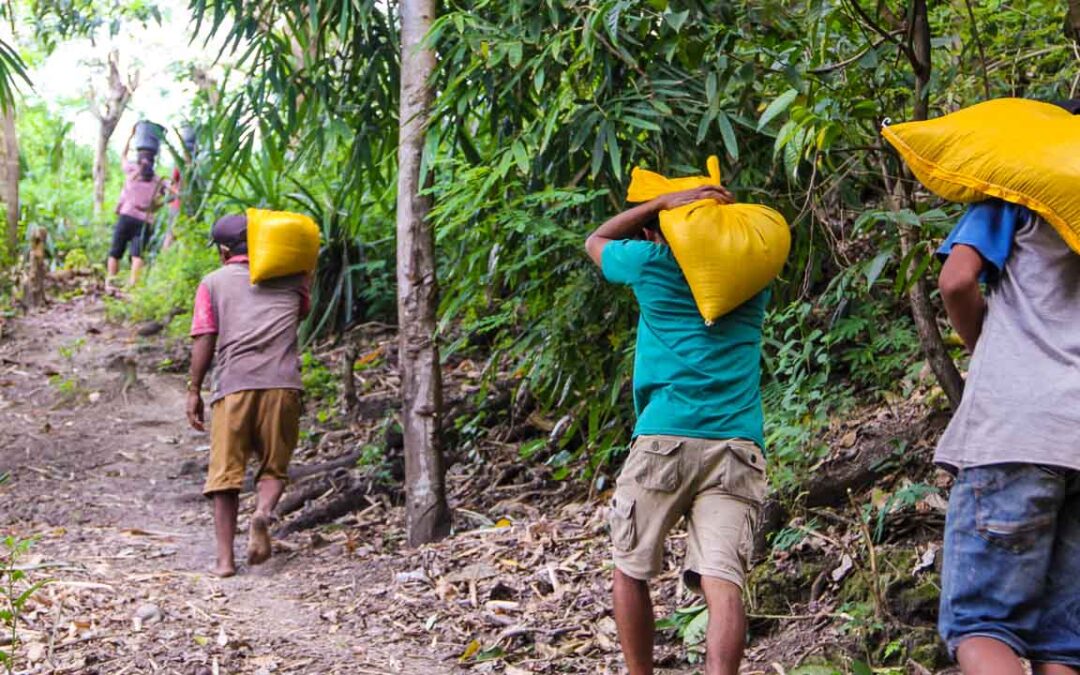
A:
{"x": 56, "y": 188}
{"x": 542, "y": 108}
{"x": 319, "y": 381}
{"x": 906, "y": 496}
{"x": 168, "y": 288}
{"x": 69, "y": 350}
{"x": 689, "y": 624}
{"x": 56, "y": 20}
{"x": 373, "y": 457}
{"x": 16, "y": 589}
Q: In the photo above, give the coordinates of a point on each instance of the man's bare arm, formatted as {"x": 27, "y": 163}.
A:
{"x": 127, "y": 145}
{"x": 964, "y": 301}
{"x": 629, "y": 223}
{"x": 202, "y": 353}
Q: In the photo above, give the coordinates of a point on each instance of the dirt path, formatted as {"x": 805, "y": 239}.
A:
{"x": 107, "y": 476}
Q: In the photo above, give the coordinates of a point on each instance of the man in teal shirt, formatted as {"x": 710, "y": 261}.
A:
{"x": 697, "y": 442}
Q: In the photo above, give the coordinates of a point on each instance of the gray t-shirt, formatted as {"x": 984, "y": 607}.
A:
{"x": 256, "y": 328}
{"x": 1022, "y": 398}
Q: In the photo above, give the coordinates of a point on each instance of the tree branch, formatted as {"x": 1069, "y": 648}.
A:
{"x": 979, "y": 44}
{"x": 824, "y": 70}
{"x": 869, "y": 22}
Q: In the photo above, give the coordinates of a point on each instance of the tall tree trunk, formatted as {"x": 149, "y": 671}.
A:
{"x": 427, "y": 513}
{"x": 9, "y": 178}
{"x": 922, "y": 311}
{"x": 116, "y": 99}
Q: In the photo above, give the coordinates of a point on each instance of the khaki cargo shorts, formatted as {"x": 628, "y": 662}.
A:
{"x": 717, "y": 485}
{"x": 260, "y": 422}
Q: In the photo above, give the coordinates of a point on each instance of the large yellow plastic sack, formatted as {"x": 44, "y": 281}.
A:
{"x": 728, "y": 252}
{"x": 280, "y": 244}
{"x": 1025, "y": 152}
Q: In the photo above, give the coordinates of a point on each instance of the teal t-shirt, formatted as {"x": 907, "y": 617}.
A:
{"x": 690, "y": 379}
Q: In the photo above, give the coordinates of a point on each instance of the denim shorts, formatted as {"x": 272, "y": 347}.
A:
{"x": 1011, "y": 565}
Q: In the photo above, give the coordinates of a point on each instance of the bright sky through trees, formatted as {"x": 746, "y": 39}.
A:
{"x": 163, "y": 54}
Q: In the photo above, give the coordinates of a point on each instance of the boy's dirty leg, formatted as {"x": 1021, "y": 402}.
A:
{"x": 259, "y": 545}
{"x": 226, "y": 507}
{"x": 634, "y": 619}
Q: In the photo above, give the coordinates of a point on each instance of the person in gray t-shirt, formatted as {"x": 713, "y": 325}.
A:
{"x": 250, "y": 333}
{"x": 1012, "y": 535}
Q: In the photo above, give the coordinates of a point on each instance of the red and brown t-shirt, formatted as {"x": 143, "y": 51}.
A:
{"x": 256, "y": 328}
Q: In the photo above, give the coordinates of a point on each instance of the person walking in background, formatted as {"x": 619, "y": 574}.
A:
{"x": 697, "y": 441}
{"x": 140, "y": 198}
{"x": 176, "y": 186}
{"x": 250, "y": 332}
{"x": 1012, "y": 533}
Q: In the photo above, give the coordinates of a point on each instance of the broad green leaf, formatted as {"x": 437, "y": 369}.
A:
{"x": 874, "y": 269}
{"x": 514, "y": 54}
{"x": 521, "y": 156}
{"x": 727, "y": 133}
{"x": 779, "y": 105}
{"x": 677, "y": 19}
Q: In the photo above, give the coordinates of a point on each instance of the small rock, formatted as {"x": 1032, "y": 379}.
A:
{"x": 417, "y": 574}
{"x": 474, "y": 572}
{"x": 846, "y": 565}
{"x": 148, "y": 613}
{"x": 35, "y": 652}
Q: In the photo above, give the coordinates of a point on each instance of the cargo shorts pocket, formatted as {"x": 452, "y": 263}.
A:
{"x": 621, "y": 520}
{"x": 744, "y": 472}
{"x": 749, "y": 534}
{"x": 660, "y": 470}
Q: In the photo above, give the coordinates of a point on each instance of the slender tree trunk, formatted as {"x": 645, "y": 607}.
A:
{"x": 1072, "y": 20}
{"x": 922, "y": 311}
{"x": 9, "y": 178}
{"x": 101, "y": 156}
{"x": 427, "y": 513}
{"x": 116, "y": 101}
{"x": 34, "y": 288}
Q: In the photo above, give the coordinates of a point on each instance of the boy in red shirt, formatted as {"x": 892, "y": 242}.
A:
{"x": 250, "y": 332}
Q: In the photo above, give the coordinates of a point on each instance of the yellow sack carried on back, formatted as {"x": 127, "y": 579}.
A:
{"x": 1025, "y": 152}
{"x": 280, "y": 244}
{"x": 728, "y": 252}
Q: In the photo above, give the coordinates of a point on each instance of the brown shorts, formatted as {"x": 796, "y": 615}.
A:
{"x": 718, "y": 485}
{"x": 260, "y": 422}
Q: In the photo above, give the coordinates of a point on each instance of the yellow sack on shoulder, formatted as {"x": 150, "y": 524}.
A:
{"x": 728, "y": 252}
{"x": 1025, "y": 152}
{"x": 280, "y": 244}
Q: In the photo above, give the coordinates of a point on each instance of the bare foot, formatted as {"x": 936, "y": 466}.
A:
{"x": 223, "y": 570}
{"x": 259, "y": 550}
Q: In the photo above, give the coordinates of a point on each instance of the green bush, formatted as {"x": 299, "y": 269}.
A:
{"x": 168, "y": 287}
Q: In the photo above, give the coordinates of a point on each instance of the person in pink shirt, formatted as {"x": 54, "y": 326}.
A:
{"x": 140, "y": 198}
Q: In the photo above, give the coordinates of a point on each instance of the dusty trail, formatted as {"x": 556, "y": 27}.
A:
{"x": 107, "y": 476}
